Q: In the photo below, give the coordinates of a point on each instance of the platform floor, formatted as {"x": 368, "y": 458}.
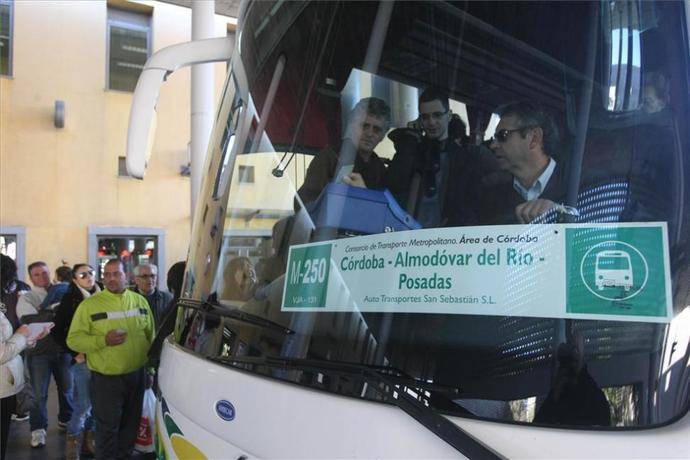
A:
{"x": 19, "y": 439}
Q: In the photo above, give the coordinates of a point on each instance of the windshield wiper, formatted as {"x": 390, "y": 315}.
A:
{"x": 394, "y": 384}
{"x": 394, "y": 375}
{"x": 215, "y": 309}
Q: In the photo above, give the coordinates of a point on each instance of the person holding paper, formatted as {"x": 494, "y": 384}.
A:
{"x": 12, "y": 366}
{"x": 114, "y": 329}
{"x": 355, "y": 162}
{"x": 46, "y": 359}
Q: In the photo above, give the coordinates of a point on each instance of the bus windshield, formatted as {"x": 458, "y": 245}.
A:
{"x": 614, "y": 262}
{"x": 485, "y": 196}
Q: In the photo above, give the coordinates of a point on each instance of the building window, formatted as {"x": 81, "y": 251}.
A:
{"x": 122, "y": 167}
{"x": 8, "y": 246}
{"x": 132, "y": 250}
{"x": 129, "y": 46}
{"x": 246, "y": 174}
{"x": 12, "y": 244}
{"x": 6, "y": 37}
{"x": 132, "y": 245}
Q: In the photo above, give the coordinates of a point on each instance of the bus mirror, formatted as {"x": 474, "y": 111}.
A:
{"x": 621, "y": 26}
{"x": 142, "y": 116}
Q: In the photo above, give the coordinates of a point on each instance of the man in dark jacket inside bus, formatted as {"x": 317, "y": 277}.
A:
{"x": 525, "y": 144}
{"x": 435, "y": 172}
{"x": 354, "y": 162}
{"x": 146, "y": 278}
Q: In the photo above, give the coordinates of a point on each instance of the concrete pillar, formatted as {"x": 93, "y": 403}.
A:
{"x": 203, "y": 84}
{"x": 403, "y": 102}
{"x": 349, "y": 96}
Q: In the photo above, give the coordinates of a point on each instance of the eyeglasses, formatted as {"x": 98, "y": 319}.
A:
{"x": 376, "y": 129}
{"x": 502, "y": 135}
{"x": 146, "y": 276}
{"x": 83, "y": 275}
{"x": 435, "y": 115}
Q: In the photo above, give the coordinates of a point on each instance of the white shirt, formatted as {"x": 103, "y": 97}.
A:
{"x": 532, "y": 193}
{"x": 29, "y": 302}
{"x": 86, "y": 293}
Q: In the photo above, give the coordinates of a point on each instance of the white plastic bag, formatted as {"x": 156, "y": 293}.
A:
{"x": 144, "y": 443}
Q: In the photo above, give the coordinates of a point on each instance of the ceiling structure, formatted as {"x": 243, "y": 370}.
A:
{"x": 224, "y": 7}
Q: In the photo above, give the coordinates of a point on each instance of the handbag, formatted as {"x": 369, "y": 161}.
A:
{"x": 144, "y": 442}
{"x": 26, "y": 397}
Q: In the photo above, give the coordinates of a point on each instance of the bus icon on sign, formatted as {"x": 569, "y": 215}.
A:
{"x": 613, "y": 269}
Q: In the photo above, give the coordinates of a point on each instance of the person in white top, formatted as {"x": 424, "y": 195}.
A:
{"x": 46, "y": 359}
{"x": 12, "y": 343}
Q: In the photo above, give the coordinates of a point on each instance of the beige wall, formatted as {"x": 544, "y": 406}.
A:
{"x": 57, "y": 182}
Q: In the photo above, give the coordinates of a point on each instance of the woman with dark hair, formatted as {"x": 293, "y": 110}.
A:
{"x": 80, "y": 434}
{"x": 11, "y": 288}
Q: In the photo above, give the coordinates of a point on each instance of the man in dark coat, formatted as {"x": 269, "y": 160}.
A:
{"x": 574, "y": 398}
{"x": 435, "y": 173}
{"x": 524, "y": 145}
{"x": 145, "y": 278}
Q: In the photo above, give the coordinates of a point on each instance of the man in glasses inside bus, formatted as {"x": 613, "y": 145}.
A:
{"x": 356, "y": 163}
{"x": 525, "y": 143}
{"x": 426, "y": 151}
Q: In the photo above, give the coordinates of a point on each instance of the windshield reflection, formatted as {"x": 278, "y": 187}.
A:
{"x": 330, "y": 151}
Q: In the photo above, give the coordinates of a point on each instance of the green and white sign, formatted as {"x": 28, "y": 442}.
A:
{"x": 307, "y": 283}
{"x": 588, "y": 271}
{"x": 616, "y": 271}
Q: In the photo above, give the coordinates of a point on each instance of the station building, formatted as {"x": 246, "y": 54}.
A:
{"x": 67, "y": 75}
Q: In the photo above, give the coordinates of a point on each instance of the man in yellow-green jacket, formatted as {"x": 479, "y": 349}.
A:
{"x": 114, "y": 329}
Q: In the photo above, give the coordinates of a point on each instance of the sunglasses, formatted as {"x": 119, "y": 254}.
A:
{"x": 83, "y": 275}
{"x": 502, "y": 135}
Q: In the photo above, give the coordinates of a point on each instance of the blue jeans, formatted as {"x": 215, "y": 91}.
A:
{"x": 81, "y": 417}
{"x": 40, "y": 368}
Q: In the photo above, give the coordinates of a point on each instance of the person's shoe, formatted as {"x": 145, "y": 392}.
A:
{"x": 38, "y": 438}
{"x": 88, "y": 445}
{"x": 72, "y": 446}
{"x": 20, "y": 417}
{"x": 62, "y": 426}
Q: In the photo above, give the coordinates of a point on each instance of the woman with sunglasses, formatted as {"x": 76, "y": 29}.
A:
{"x": 80, "y": 437}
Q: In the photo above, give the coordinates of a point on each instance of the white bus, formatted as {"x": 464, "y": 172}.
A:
{"x": 613, "y": 269}
{"x": 349, "y": 331}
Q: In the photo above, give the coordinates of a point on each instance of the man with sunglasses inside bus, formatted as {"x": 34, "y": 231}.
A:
{"x": 524, "y": 144}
